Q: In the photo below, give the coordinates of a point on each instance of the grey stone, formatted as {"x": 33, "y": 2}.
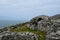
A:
{"x": 18, "y": 36}
{"x": 50, "y": 26}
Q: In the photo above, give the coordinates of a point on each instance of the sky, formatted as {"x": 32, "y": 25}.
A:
{"x": 27, "y": 9}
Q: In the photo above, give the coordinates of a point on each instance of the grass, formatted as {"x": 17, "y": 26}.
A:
{"x": 24, "y": 28}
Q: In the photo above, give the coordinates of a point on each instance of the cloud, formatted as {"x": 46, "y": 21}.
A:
{"x": 23, "y": 4}
{"x": 29, "y": 8}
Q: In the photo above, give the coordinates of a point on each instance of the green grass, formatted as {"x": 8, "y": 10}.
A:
{"x": 24, "y": 28}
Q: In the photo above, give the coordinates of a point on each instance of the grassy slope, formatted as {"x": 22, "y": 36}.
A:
{"x": 23, "y": 28}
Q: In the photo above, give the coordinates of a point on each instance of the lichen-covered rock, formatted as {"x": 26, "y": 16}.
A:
{"x": 18, "y": 36}
{"x": 46, "y": 24}
{"x": 53, "y": 36}
{"x": 40, "y": 23}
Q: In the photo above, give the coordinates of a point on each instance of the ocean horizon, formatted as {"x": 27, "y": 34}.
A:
{"x": 6, "y": 23}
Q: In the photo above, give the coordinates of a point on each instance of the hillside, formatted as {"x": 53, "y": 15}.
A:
{"x": 24, "y": 28}
{"x": 38, "y": 28}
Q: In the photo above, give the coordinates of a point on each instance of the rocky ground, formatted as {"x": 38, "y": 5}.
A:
{"x": 18, "y": 36}
{"x": 49, "y": 25}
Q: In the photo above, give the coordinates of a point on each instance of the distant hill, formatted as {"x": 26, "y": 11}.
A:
{"x": 55, "y": 16}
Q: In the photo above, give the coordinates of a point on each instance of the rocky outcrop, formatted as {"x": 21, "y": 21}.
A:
{"x": 46, "y": 24}
{"x": 40, "y": 23}
{"x": 54, "y": 34}
{"x": 18, "y": 36}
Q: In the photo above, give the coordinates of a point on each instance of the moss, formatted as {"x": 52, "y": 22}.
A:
{"x": 24, "y": 28}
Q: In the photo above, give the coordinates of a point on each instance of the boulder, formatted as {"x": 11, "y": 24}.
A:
{"x": 39, "y": 23}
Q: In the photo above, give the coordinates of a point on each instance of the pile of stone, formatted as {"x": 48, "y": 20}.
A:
{"x": 18, "y": 36}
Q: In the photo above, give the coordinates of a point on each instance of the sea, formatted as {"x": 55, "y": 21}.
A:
{"x": 7, "y": 23}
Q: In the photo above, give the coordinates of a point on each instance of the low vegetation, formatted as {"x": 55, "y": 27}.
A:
{"x": 24, "y": 28}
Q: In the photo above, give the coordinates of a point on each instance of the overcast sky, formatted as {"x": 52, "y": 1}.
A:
{"x": 26, "y": 9}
